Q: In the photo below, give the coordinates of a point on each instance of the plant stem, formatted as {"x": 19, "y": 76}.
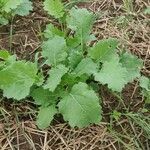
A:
{"x": 10, "y": 35}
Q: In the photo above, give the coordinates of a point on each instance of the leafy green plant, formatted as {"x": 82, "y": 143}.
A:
{"x": 10, "y": 8}
{"x": 66, "y": 87}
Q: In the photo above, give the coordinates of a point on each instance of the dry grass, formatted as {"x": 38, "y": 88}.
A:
{"x": 24, "y": 135}
{"x": 21, "y": 133}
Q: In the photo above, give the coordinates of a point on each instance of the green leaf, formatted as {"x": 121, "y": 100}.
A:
{"x": 54, "y": 8}
{"x": 81, "y": 21}
{"x": 113, "y": 74}
{"x": 10, "y": 60}
{"x": 4, "y": 59}
{"x": 55, "y": 75}
{"x": 104, "y": 50}
{"x": 74, "y": 59}
{"x": 3, "y": 21}
{"x": 147, "y": 97}
{"x": 52, "y": 31}
{"x": 4, "y": 54}
{"x": 42, "y": 97}
{"x": 45, "y": 116}
{"x": 145, "y": 83}
{"x": 2, "y": 3}
{"x": 91, "y": 38}
{"x": 132, "y": 64}
{"x": 55, "y": 50}
{"x": 73, "y": 43}
{"x": 147, "y": 10}
{"x": 80, "y": 107}
{"x": 40, "y": 79}
{"x": 9, "y": 5}
{"x": 69, "y": 79}
{"x": 86, "y": 66}
{"x": 24, "y": 8}
{"x": 16, "y": 79}
{"x": 2, "y": 65}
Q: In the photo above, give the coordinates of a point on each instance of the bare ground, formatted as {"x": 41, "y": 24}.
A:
{"x": 17, "y": 121}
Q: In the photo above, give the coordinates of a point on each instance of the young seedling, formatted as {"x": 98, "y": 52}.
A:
{"x": 9, "y": 8}
{"x": 73, "y": 65}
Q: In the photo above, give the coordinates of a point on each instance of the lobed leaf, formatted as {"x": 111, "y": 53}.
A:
{"x": 133, "y": 66}
{"x": 42, "y": 97}
{"x": 104, "y": 50}
{"x": 45, "y": 116}
{"x": 54, "y": 8}
{"x": 9, "y": 5}
{"x": 55, "y": 75}
{"x": 81, "y": 21}
{"x": 51, "y": 31}
{"x": 86, "y": 66}
{"x": 17, "y": 78}
{"x": 81, "y": 106}
{"x": 24, "y": 8}
{"x": 113, "y": 74}
{"x": 54, "y": 50}
{"x": 74, "y": 58}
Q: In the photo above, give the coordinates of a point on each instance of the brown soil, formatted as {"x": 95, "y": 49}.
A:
{"x": 17, "y": 124}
